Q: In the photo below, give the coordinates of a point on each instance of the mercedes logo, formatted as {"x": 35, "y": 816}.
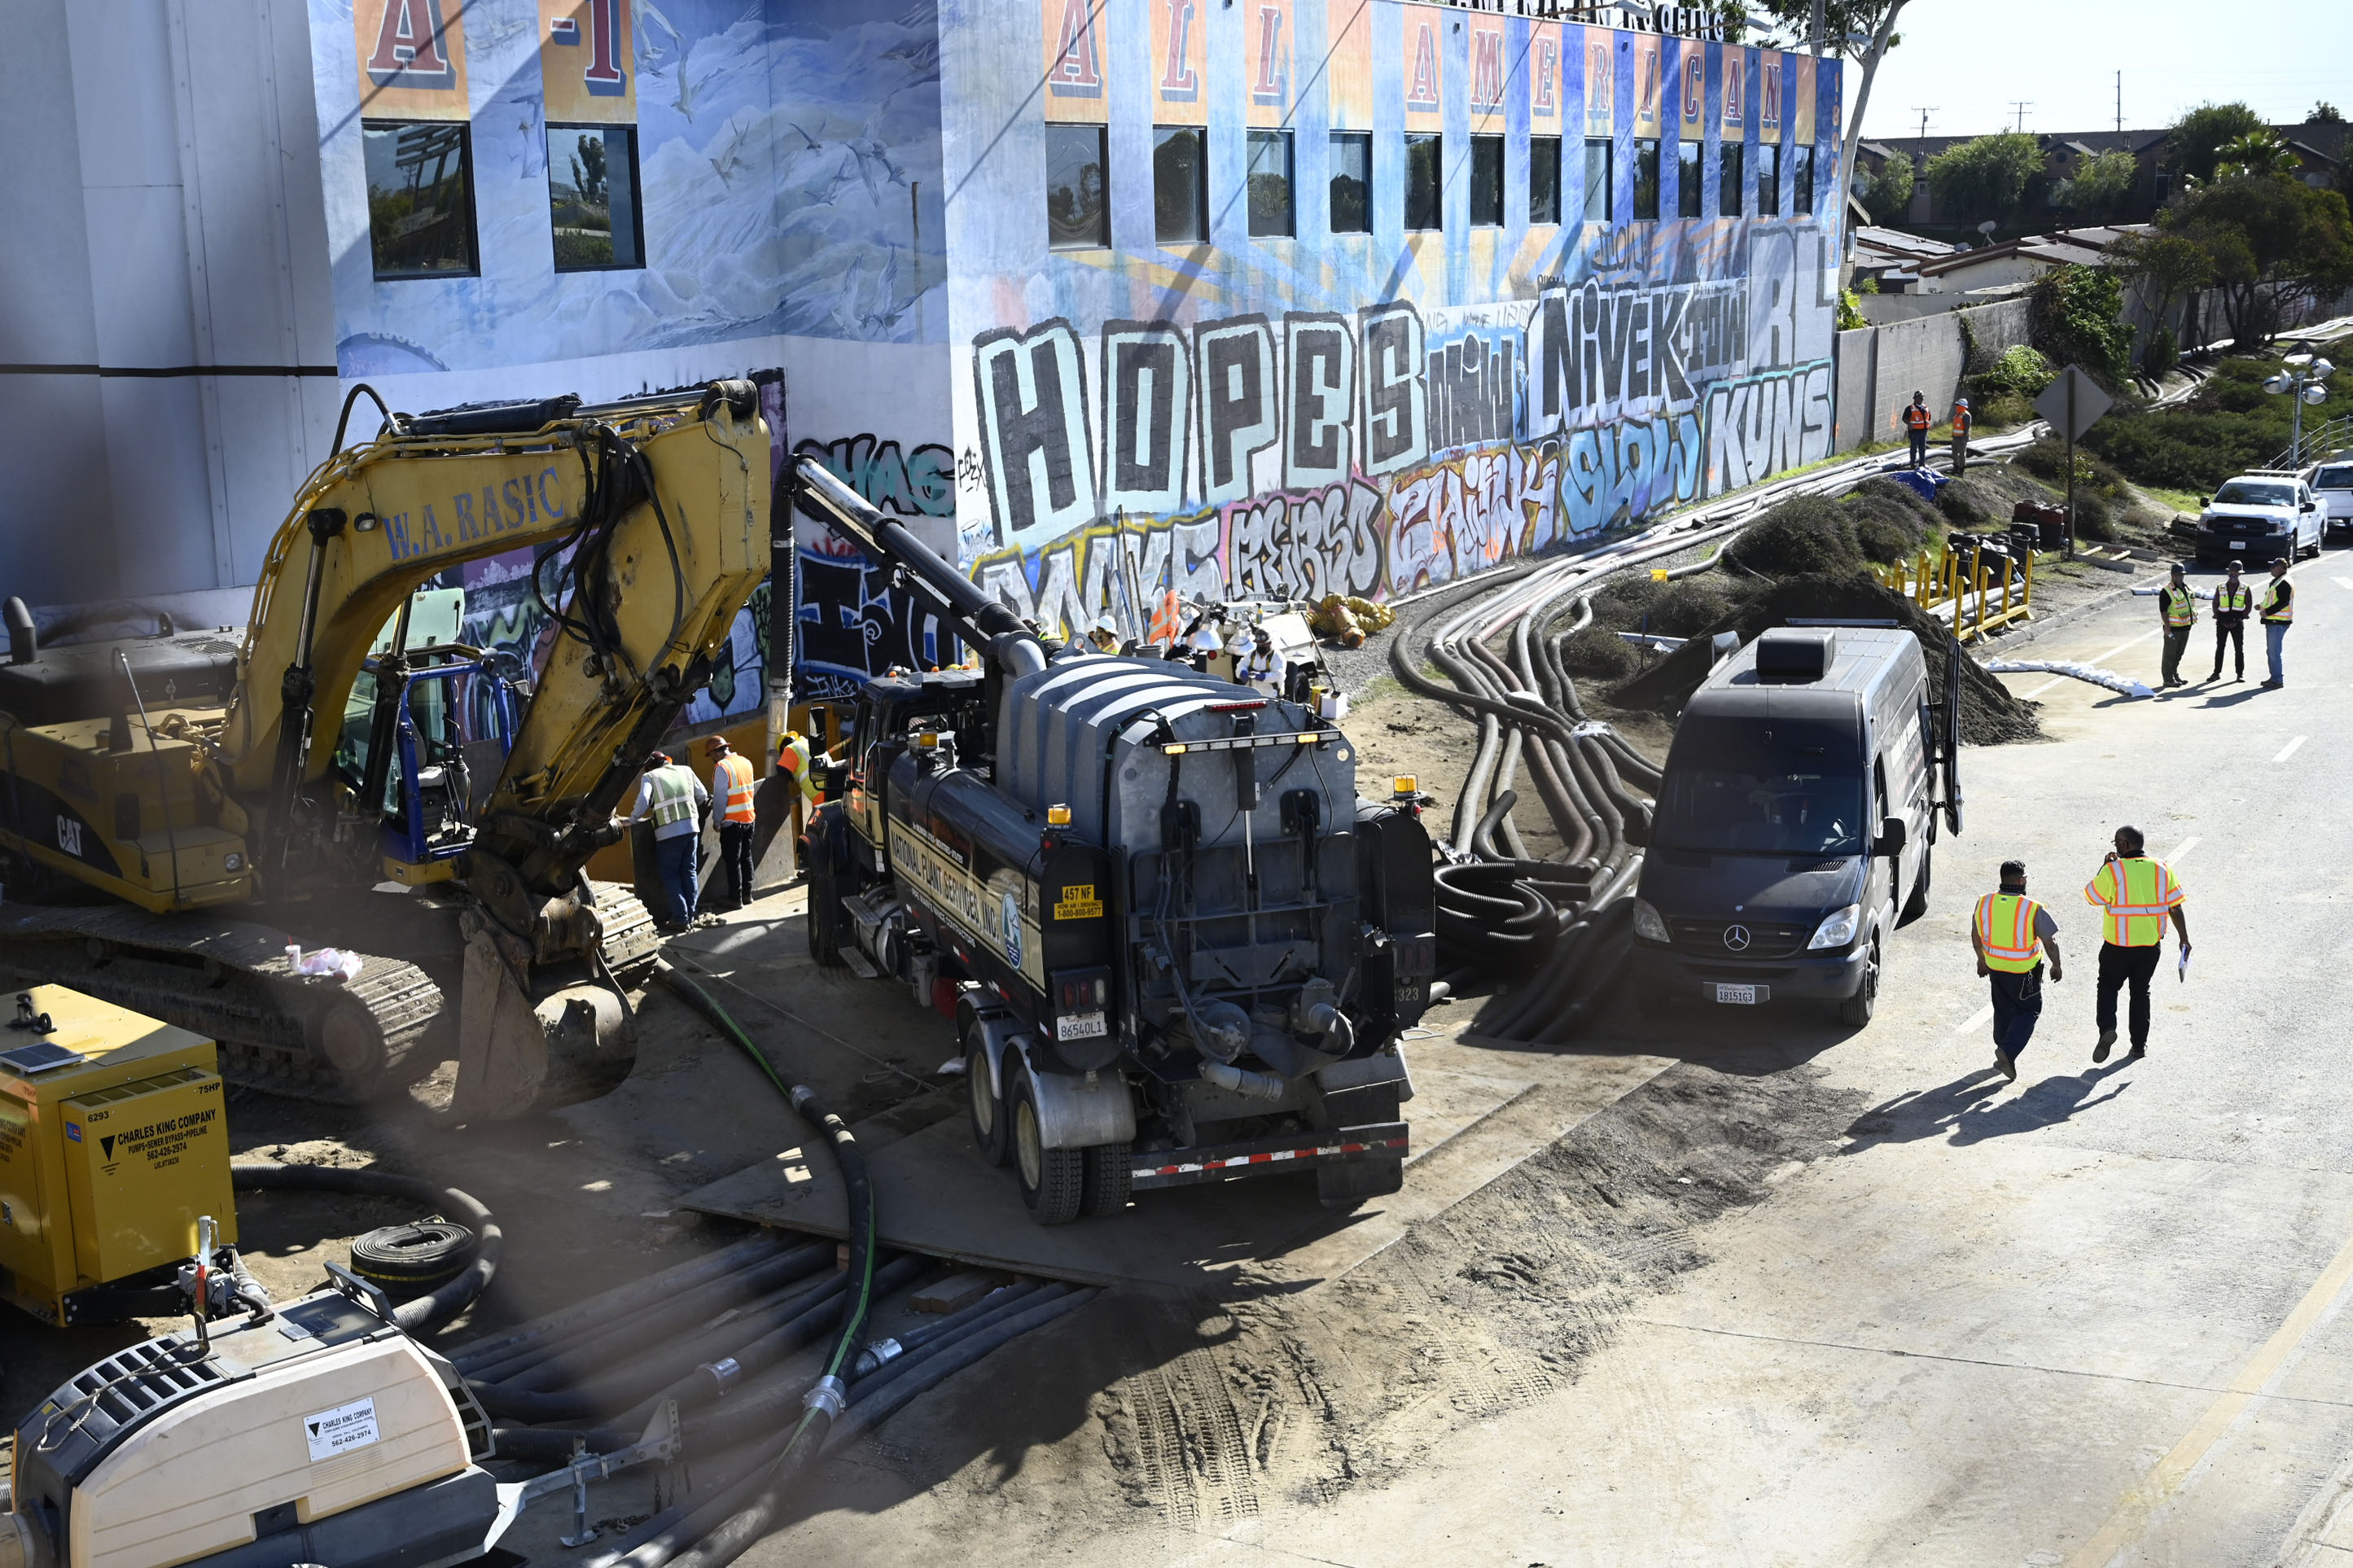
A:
{"x": 1736, "y": 937}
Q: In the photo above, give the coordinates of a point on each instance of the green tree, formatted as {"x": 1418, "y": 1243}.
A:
{"x": 2272, "y": 243}
{"x": 2162, "y": 268}
{"x": 2258, "y": 153}
{"x": 2324, "y": 113}
{"x": 1887, "y": 194}
{"x": 2199, "y": 135}
{"x": 2101, "y": 186}
{"x": 2075, "y": 317}
{"x": 1862, "y": 31}
{"x": 1985, "y": 177}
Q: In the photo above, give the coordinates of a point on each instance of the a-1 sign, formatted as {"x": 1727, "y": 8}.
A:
{"x": 2072, "y": 404}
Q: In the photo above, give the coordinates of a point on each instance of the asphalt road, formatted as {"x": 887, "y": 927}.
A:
{"x": 2094, "y": 1317}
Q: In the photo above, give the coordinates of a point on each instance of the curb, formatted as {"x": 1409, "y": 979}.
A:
{"x": 2066, "y": 617}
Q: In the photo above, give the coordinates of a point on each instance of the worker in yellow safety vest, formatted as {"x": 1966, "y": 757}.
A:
{"x": 2136, "y": 896}
{"x": 2279, "y": 613}
{"x": 2012, "y": 932}
{"x": 2176, "y": 611}
{"x": 731, "y": 789}
{"x": 2231, "y": 602}
{"x": 674, "y": 798}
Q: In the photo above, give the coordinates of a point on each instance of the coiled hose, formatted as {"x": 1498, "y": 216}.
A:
{"x": 427, "y": 1312}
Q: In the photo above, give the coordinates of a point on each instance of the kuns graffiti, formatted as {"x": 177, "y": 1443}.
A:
{"x": 853, "y": 623}
{"x": 1395, "y": 448}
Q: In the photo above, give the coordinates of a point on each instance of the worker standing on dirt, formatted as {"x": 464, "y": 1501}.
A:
{"x": 731, "y": 786}
{"x": 2135, "y": 895}
{"x": 2177, "y": 612}
{"x": 676, "y": 800}
{"x": 2010, "y": 932}
{"x": 2279, "y": 613}
{"x": 1916, "y": 420}
{"x": 2231, "y": 602}
{"x": 1962, "y": 425}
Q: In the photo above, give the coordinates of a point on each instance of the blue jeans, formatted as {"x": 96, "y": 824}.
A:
{"x": 2275, "y": 634}
{"x": 2017, "y": 1008}
{"x": 674, "y": 857}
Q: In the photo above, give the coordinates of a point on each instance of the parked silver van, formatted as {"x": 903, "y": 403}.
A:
{"x": 1797, "y": 821}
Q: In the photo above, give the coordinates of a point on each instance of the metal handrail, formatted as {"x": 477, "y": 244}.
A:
{"x": 2330, "y": 438}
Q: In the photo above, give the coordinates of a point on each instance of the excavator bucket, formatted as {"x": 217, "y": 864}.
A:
{"x": 519, "y": 1053}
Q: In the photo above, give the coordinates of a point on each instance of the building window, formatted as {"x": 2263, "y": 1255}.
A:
{"x": 1596, "y": 179}
{"x": 420, "y": 188}
{"x": 1727, "y": 195}
{"x": 1269, "y": 183}
{"x": 1646, "y": 182}
{"x": 592, "y": 197}
{"x": 1078, "y": 188}
{"x": 1768, "y": 180}
{"x": 1425, "y": 206}
{"x": 1802, "y": 181}
{"x": 1688, "y": 178}
{"x": 1486, "y": 181}
{"x": 1180, "y": 185}
{"x": 1352, "y": 181}
{"x": 1544, "y": 179}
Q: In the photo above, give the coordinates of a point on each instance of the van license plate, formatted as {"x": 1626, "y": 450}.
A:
{"x": 1744, "y": 994}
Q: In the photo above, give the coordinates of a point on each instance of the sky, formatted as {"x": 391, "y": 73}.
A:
{"x": 1968, "y": 59}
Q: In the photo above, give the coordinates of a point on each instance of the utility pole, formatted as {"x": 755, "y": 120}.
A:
{"x": 2022, "y": 105}
{"x": 2120, "y": 103}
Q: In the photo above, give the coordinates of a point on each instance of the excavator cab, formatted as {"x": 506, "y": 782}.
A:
{"x": 454, "y": 719}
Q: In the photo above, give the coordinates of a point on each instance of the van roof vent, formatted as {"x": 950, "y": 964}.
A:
{"x": 1791, "y": 657}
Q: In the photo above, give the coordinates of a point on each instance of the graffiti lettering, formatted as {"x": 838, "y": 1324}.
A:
{"x": 918, "y": 484}
{"x": 1762, "y": 425}
{"x": 1033, "y": 402}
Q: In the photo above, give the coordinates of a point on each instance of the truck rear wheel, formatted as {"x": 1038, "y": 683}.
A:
{"x": 1108, "y": 1178}
{"x": 1053, "y": 1180}
{"x": 982, "y": 1104}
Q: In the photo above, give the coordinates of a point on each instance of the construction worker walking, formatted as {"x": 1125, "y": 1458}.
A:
{"x": 2010, "y": 932}
{"x": 732, "y": 786}
{"x": 1963, "y": 423}
{"x": 2279, "y": 613}
{"x": 2177, "y": 610}
{"x": 2135, "y": 895}
{"x": 1916, "y": 420}
{"x": 2231, "y": 602}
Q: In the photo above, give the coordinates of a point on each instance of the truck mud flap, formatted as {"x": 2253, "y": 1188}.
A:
{"x": 1267, "y": 1156}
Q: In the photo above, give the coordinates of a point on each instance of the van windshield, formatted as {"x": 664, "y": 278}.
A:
{"x": 1738, "y": 786}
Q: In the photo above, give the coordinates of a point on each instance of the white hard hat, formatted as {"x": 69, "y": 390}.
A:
{"x": 1105, "y": 623}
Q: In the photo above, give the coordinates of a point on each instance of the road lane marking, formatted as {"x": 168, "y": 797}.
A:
{"x": 1974, "y": 1019}
{"x": 2289, "y": 750}
{"x": 2187, "y": 846}
{"x": 2120, "y": 647}
{"x": 2138, "y": 1507}
{"x": 2097, "y": 659}
{"x": 2345, "y": 582}
{"x": 2047, "y": 685}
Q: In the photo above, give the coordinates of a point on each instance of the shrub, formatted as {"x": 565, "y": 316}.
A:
{"x": 2021, "y": 372}
{"x": 2075, "y": 314}
{"x": 2162, "y": 353}
{"x": 2094, "y": 521}
{"x": 1599, "y": 652}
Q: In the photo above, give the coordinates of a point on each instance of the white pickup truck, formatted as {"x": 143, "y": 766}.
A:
{"x": 2332, "y": 486}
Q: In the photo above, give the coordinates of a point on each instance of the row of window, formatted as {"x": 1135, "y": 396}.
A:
{"x": 1078, "y": 182}
{"x": 421, "y": 190}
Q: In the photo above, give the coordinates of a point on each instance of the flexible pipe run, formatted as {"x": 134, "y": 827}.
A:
{"x": 1566, "y": 921}
{"x": 426, "y": 1312}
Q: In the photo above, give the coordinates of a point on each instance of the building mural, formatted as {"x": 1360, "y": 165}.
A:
{"x": 1298, "y": 411}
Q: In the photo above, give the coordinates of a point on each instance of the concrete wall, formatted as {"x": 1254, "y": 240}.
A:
{"x": 1365, "y": 413}
{"x": 165, "y": 347}
{"x": 1879, "y": 367}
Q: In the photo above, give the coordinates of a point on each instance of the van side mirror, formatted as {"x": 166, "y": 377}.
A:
{"x": 1893, "y": 836}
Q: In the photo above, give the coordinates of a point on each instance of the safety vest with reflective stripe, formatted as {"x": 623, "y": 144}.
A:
{"x": 2279, "y": 609}
{"x": 793, "y": 756}
{"x": 1917, "y": 417}
{"x": 1961, "y": 420}
{"x": 2180, "y": 606}
{"x": 731, "y": 781}
{"x": 2229, "y": 602}
{"x": 673, "y": 794}
{"x": 2005, "y": 923}
{"x": 2134, "y": 895}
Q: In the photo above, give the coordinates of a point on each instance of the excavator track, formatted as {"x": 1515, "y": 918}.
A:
{"x": 300, "y": 1037}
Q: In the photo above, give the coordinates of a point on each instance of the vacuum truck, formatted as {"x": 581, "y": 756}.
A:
{"x": 1176, "y": 946}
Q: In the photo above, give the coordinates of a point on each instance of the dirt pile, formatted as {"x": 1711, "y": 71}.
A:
{"x": 1990, "y": 716}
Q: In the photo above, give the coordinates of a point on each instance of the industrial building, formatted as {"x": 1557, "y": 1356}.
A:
{"x": 1288, "y": 296}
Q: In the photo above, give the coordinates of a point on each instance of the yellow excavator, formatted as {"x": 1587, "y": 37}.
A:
{"x": 183, "y": 817}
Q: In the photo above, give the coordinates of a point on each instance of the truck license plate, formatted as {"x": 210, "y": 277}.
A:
{"x": 1078, "y": 1027}
{"x": 1744, "y": 994}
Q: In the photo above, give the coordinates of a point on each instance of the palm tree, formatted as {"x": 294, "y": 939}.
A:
{"x": 2258, "y": 153}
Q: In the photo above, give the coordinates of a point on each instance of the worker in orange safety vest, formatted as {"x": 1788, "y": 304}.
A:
{"x": 731, "y": 794}
{"x": 2136, "y": 896}
{"x": 2011, "y": 934}
{"x": 1963, "y": 423}
{"x": 1916, "y": 420}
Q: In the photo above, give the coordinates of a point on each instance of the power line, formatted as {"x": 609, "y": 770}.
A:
{"x": 2022, "y": 105}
